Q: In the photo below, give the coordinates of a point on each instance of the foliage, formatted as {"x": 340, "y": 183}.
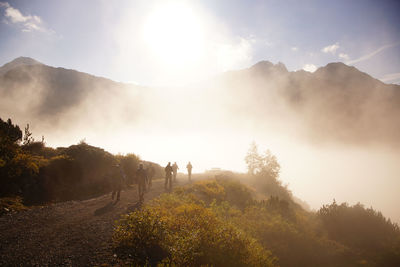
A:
{"x": 18, "y": 170}
{"x": 365, "y": 231}
{"x": 9, "y": 132}
{"x": 289, "y": 235}
{"x": 10, "y": 204}
{"x": 41, "y": 174}
{"x": 201, "y": 223}
{"x": 187, "y": 233}
{"x": 130, "y": 164}
{"x": 264, "y": 172}
{"x": 27, "y": 136}
{"x": 264, "y": 164}
{"x": 219, "y": 190}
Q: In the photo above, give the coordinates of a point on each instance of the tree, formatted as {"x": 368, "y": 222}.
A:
{"x": 9, "y": 132}
{"x": 264, "y": 164}
{"x": 28, "y": 139}
{"x": 265, "y": 169}
{"x": 252, "y": 158}
{"x": 269, "y": 165}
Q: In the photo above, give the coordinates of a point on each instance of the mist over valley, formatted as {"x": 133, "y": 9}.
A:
{"x": 334, "y": 131}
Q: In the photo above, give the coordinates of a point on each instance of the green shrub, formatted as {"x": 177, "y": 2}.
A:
{"x": 186, "y": 233}
{"x": 366, "y": 231}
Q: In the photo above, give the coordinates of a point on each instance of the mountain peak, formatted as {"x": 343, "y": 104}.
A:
{"x": 267, "y": 66}
{"x": 336, "y": 66}
{"x": 23, "y": 61}
{"x": 19, "y": 61}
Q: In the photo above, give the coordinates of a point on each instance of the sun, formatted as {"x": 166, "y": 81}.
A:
{"x": 174, "y": 34}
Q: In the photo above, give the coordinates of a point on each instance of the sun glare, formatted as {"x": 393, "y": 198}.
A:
{"x": 174, "y": 34}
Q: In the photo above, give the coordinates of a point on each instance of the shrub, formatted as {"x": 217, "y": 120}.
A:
{"x": 186, "y": 233}
{"x": 366, "y": 231}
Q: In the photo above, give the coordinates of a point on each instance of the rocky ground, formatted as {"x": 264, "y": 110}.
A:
{"x": 73, "y": 233}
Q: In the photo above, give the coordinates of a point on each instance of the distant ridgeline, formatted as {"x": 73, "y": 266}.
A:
{"x": 336, "y": 102}
{"x": 40, "y": 174}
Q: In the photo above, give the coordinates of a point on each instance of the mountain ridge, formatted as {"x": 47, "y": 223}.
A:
{"x": 260, "y": 67}
{"x": 337, "y": 101}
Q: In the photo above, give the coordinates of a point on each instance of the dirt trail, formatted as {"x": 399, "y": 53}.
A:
{"x": 73, "y": 233}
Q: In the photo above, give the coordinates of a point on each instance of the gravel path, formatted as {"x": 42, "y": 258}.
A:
{"x": 73, "y": 233}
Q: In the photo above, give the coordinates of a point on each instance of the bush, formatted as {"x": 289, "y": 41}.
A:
{"x": 369, "y": 234}
{"x": 219, "y": 190}
{"x": 10, "y": 204}
{"x": 186, "y": 233}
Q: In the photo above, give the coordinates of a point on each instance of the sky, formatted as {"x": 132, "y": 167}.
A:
{"x": 173, "y": 43}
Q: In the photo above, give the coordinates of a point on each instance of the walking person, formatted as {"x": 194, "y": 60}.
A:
{"x": 141, "y": 176}
{"x": 118, "y": 178}
{"x": 168, "y": 177}
{"x": 189, "y": 169}
{"x": 150, "y": 174}
{"x": 175, "y": 169}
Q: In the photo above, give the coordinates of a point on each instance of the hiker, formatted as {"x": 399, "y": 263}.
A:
{"x": 150, "y": 174}
{"x": 118, "y": 179}
{"x": 175, "y": 169}
{"x": 189, "y": 168}
{"x": 168, "y": 177}
{"x": 141, "y": 176}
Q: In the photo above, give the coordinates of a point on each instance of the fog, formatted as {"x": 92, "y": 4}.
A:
{"x": 334, "y": 132}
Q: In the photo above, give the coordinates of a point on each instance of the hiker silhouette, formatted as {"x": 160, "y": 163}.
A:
{"x": 141, "y": 176}
{"x": 189, "y": 169}
{"x": 168, "y": 177}
{"x": 175, "y": 169}
{"x": 118, "y": 179}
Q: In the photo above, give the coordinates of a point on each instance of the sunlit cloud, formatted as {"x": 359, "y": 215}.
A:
{"x": 310, "y": 67}
{"x": 294, "y": 49}
{"x": 331, "y": 48}
{"x": 372, "y": 54}
{"x": 27, "y": 23}
{"x": 344, "y": 56}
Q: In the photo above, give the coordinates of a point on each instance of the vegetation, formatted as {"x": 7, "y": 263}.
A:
{"x": 39, "y": 174}
{"x": 204, "y": 224}
{"x": 222, "y": 222}
{"x": 263, "y": 173}
{"x": 180, "y": 229}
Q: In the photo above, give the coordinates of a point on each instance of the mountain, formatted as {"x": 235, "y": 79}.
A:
{"x": 20, "y": 61}
{"x": 63, "y": 99}
{"x": 335, "y": 103}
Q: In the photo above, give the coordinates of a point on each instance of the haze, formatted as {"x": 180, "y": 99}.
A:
{"x": 181, "y": 101}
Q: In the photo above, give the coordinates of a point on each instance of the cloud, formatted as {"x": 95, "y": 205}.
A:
{"x": 310, "y": 67}
{"x": 370, "y": 55}
{"x": 27, "y": 23}
{"x": 392, "y": 77}
{"x": 344, "y": 56}
{"x": 331, "y": 48}
{"x": 294, "y": 49}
